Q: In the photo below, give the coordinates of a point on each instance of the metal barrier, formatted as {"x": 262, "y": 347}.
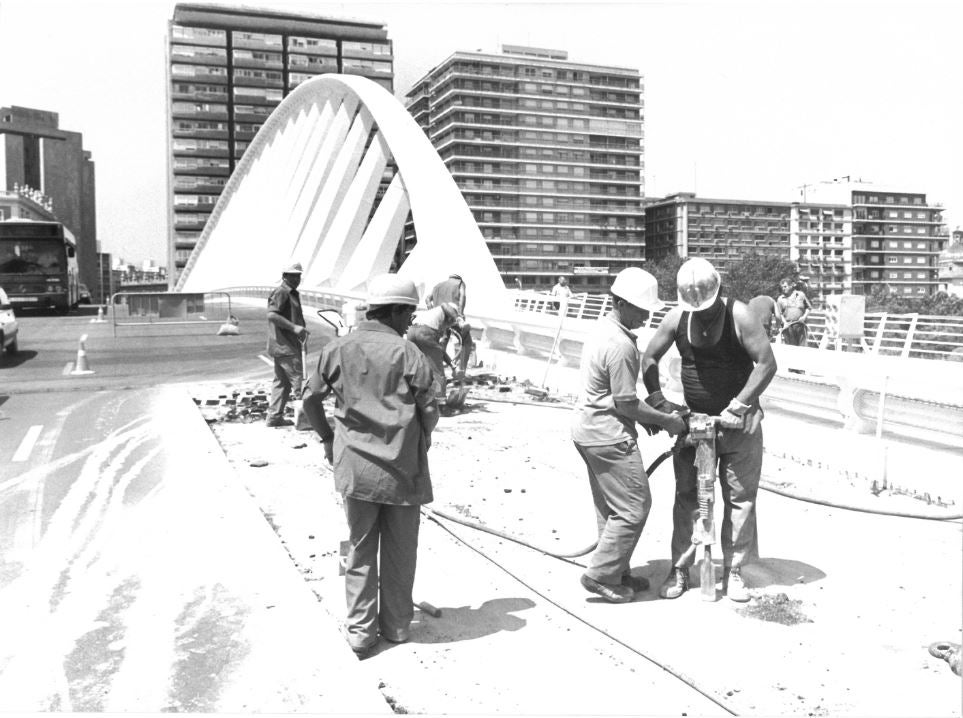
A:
{"x": 168, "y": 308}
{"x": 903, "y": 335}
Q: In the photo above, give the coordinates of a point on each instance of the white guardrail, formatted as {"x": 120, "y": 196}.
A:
{"x": 888, "y": 387}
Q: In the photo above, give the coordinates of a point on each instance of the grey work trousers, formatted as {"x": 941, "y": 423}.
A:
{"x": 429, "y": 341}
{"x": 380, "y": 570}
{"x": 739, "y": 458}
{"x": 620, "y": 491}
{"x": 288, "y": 375}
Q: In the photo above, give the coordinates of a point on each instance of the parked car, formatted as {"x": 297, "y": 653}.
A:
{"x": 83, "y": 294}
{"x": 8, "y": 324}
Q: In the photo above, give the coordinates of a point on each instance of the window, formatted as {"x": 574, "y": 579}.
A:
{"x": 891, "y": 260}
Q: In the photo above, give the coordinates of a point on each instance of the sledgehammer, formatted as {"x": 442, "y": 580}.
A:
{"x": 428, "y": 608}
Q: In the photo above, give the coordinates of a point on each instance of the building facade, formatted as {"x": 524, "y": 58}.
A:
{"x": 228, "y": 68}
{"x": 548, "y": 154}
{"x": 51, "y": 165}
{"x": 951, "y": 265}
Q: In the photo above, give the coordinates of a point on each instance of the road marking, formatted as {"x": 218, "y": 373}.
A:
{"x": 26, "y": 446}
{"x": 266, "y": 360}
{"x": 69, "y": 367}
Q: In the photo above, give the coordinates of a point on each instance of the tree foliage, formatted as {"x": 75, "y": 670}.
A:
{"x": 665, "y": 271}
{"x": 883, "y": 299}
{"x": 757, "y": 274}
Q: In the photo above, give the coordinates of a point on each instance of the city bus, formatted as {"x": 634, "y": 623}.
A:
{"x": 38, "y": 264}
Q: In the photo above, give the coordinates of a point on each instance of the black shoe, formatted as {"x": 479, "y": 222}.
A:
{"x": 392, "y": 639}
{"x": 638, "y": 584}
{"x": 610, "y": 592}
{"x": 275, "y": 423}
{"x": 675, "y": 584}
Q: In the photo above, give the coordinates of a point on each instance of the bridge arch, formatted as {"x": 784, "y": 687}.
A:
{"x": 307, "y": 190}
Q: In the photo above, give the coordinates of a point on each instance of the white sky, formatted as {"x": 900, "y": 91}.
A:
{"x": 743, "y": 100}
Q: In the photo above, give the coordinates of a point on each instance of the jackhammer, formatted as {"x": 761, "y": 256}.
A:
{"x": 702, "y": 435}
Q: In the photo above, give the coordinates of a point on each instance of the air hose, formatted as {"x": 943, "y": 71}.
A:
{"x": 862, "y": 509}
{"x": 430, "y": 512}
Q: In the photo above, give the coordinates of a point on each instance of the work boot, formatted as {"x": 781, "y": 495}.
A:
{"x": 610, "y": 592}
{"x": 675, "y": 584}
{"x": 275, "y": 422}
{"x": 638, "y": 584}
{"x": 734, "y": 587}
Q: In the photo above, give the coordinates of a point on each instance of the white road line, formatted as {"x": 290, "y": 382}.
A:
{"x": 266, "y": 360}
{"x": 26, "y": 446}
{"x": 69, "y": 367}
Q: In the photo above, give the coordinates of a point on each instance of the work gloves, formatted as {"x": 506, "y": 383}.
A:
{"x": 658, "y": 402}
{"x": 741, "y": 416}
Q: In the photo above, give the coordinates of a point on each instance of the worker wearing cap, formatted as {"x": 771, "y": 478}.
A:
{"x": 605, "y": 434}
{"x": 452, "y": 290}
{"x": 286, "y": 330}
{"x": 429, "y": 332}
{"x": 384, "y": 414}
{"x": 792, "y": 309}
{"x": 727, "y": 363}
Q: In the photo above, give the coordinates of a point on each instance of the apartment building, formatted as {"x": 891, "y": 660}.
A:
{"x": 951, "y": 266}
{"x": 897, "y": 236}
{"x": 548, "y": 154}
{"x": 228, "y": 68}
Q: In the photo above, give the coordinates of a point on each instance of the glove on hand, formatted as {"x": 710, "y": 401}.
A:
{"x": 657, "y": 401}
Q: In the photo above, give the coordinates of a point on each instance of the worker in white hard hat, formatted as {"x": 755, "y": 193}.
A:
{"x": 605, "y": 435}
{"x": 727, "y": 363}
{"x": 286, "y": 332}
{"x": 385, "y": 411}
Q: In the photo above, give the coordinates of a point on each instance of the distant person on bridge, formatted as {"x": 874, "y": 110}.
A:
{"x": 453, "y": 290}
{"x": 385, "y": 411}
{"x": 605, "y": 435}
{"x": 286, "y": 330}
{"x": 793, "y": 309}
{"x": 562, "y": 291}
{"x": 429, "y": 332}
{"x": 727, "y": 363}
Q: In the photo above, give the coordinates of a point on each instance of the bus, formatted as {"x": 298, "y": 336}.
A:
{"x": 38, "y": 264}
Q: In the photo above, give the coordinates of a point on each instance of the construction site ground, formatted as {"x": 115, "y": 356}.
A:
{"x": 845, "y": 602}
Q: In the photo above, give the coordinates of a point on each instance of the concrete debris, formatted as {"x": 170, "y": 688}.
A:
{"x": 949, "y": 652}
{"x": 258, "y": 463}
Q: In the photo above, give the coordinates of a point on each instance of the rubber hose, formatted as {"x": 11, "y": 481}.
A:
{"x": 508, "y": 537}
{"x": 852, "y": 507}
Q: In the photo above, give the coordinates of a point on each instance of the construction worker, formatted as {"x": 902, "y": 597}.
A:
{"x": 384, "y": 414}
{"x": 792, "y": 308}
{"x": 286, "y": 331}
{"x": 605, "y": 434}
{"x": 562, "y": 291}
{"x": 727, "y": 363}
{"x": 453, "y": 290}
{"x": 429, "y": 332}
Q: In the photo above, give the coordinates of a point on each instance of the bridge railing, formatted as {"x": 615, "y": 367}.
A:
{"x": 903, "y": 335}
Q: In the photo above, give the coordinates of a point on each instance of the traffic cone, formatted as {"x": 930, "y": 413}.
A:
{"x": 100, "y": 316}
{"x": 81, "y": 366}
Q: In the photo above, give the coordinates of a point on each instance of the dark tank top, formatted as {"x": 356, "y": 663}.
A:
{"x": 712, "y": 376}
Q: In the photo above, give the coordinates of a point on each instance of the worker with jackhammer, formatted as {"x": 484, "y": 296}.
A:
{"x": 384, "y": 414}
{"x": 605, "y": 435}
{"x": 727, "y": 363}
{"x": 452, "y": 290}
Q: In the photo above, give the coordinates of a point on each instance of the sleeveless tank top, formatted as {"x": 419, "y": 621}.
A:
{"x": 712, "y": 376}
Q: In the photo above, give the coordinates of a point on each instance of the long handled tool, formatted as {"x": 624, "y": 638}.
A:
{"x": 702, "y": 435}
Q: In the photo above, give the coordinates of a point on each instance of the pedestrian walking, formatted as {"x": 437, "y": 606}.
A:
{"x": 727, "y": 363}
{"x": 793, "y": 307}
{"x": 286, "y": 335}
{"x": 385, "y": 411}
{"x": 605, "y": 434}
{"x": 452, "y": 290}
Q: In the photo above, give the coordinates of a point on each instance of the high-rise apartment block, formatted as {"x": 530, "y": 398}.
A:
{"x": 548, "y": 153}
{"x": 228, "y": 68}
{"x": 52, "y": 166}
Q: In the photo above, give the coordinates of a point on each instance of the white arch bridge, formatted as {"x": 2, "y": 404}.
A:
{"x": 308, "y": 189}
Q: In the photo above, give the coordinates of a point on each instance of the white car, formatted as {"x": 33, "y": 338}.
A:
{"x": 8, "y": 324}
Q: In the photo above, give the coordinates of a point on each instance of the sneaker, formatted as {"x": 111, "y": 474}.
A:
{"x": 675, "y": 584}
{"x": 610, "y": 592}
{"x": 275, "y": 423}
{"x": 734, "y": 586}
{"x": 638, "y": 584}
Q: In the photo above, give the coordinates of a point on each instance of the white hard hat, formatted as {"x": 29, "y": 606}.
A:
{"x": 293, "y": 268}
{"x": 639, "y": 288}
{"x": 698, "y": 284}
{"x": 391, "y": 289}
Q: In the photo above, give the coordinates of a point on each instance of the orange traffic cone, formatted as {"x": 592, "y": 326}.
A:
{"x": 100, "y": 316}
{"x": 81, "y": 366}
